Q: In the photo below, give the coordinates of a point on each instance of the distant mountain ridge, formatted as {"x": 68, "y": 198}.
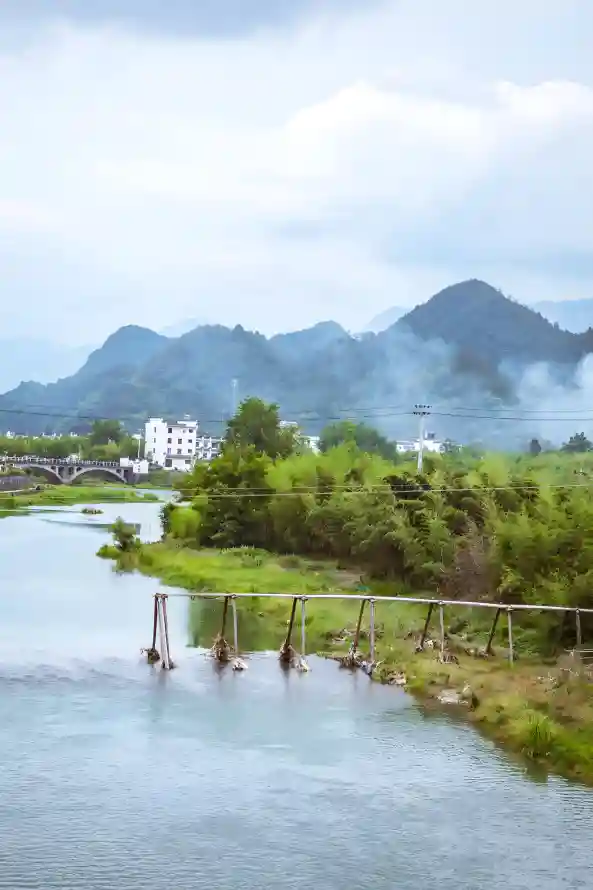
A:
{"x": 570, "y": 315}
{"x": 385, "y": 319}
{"x": 468, "y": 341}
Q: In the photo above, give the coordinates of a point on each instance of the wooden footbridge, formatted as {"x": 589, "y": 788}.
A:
{"x": 223, "y": 652}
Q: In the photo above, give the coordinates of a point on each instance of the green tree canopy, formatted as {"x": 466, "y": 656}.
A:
{"x": 577, "y": 444}
{"x": 366, "y": 438}
{"x": 257, "y": 425}
{"x": 104, "y": 432}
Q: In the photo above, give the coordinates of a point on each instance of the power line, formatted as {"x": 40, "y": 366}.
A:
{"x": 310, "y": 415}
{"x": 242, "y": 493}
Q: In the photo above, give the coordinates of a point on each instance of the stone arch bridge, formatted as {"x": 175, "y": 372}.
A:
{"x": 67, "y": 470}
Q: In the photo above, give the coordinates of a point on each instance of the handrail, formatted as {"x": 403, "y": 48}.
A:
{"x": 505, "y": 607}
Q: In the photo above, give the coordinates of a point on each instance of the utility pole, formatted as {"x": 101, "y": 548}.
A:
{"x": 234, "y": 384}
{"x": 421, "y": 411}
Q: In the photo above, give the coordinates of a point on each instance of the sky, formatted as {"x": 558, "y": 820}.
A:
{"x": 274, "y": 163}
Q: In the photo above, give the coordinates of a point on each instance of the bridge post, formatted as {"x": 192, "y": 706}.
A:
{"x": 442, "y": 627}
{"x": 579, "y": 634}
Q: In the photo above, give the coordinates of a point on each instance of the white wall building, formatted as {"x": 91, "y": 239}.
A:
{"x": 140, "y": 467}
{"x": 176, "y": 445}
{"x": 409, "y": 446}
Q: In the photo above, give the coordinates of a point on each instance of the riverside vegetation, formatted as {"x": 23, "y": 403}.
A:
{"x": 268, "y": 515}
{"x": 66, "y": 495}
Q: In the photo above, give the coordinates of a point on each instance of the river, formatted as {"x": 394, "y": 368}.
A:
{"x": 117, "y": 775}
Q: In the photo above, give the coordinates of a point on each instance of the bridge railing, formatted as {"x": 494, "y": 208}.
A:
{"x": 59, "y": 461}
{"x": 160, "y": 615}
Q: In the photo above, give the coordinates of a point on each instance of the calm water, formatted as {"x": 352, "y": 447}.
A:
{"x": 115, "y": 775}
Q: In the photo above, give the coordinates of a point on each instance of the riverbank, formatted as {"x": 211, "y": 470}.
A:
{"x": 66, "y": 495}
{"x": 542, "y": 711}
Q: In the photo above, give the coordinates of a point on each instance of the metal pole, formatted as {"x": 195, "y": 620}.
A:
{"x": 578, "y": 629}
{"x": 235, "y": 628}
{"x": 510, "y": 622}
{"x": 420, "y": 442}
{"x": 154, "y": 622}
{"x": 303, "y": 620}
{"x": 492, "y": 632}
{"x": 442, "y": 626}
{"x": 372, "y": 629}
{"x": 166, "y": 624}
{"x": 164, "y": 653}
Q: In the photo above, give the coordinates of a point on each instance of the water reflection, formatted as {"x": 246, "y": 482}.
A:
{"x": 115, "y": 774}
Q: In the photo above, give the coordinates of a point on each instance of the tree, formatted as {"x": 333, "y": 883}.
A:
{"x": 577, "y": 444}
{"x": 257, "y": 425}
{"x": 103, "y": 432}
{"x": 366, "y": 438}
{"x": 231, "y": 494}
{"x": 535, "y": 448}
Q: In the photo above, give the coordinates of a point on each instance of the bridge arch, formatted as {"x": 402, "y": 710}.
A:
{"x": 99, "y": 471}
{"x": 41, "y": 470}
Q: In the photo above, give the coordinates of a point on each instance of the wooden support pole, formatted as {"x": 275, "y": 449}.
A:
{"x": 426, "y": 626}
{"x": 510, "y": 624}
{"x": 442, "y": 626}
{"x": 372, "y": 629}
{"x": 286, "y": 651}
{"x": 488, "y": 649}
{"x": 579, "y": 632}
{"x": 225, "y": 610}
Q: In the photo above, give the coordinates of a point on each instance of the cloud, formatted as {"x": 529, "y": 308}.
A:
{"x": 180, "y": 18}
{"x": 334, "y": 166}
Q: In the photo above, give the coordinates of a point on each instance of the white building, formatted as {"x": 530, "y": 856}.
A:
{"x": 409, "y": 446}
{"x": 311, "y": 442}
{"x": 140, "y": 467}
{"x": 176, "y": 445}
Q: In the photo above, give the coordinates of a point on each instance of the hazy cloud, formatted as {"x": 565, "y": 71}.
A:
{"x": 274, "y": 163}
{"x": 180, "y": 18}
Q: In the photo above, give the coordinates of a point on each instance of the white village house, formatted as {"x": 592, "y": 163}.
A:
{"x": 430, "y": 443}
{"x": 176, "y": 445}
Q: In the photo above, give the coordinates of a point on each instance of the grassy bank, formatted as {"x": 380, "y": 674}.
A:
{"x": 542, "y": 711}
{"x": 65, "y": 495}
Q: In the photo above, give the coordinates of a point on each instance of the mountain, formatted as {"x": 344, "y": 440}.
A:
{"x": 570, "y": 315}
{"x": 468, "y": 345}
{"x": 385, "y": 319}
{"x": 24, "y": 359}
{"x": 478, "y": 319}
{"x": 101, "y": 385}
